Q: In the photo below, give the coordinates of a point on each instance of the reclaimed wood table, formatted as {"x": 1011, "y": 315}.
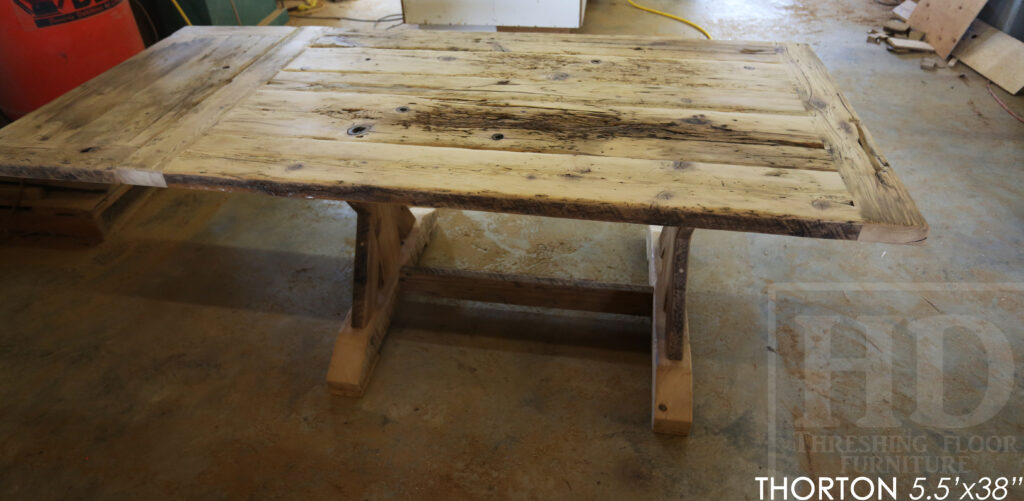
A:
{"x": 679, "y": 134}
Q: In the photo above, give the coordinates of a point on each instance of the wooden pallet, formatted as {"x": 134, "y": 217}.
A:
{"x": 83, "y": 211}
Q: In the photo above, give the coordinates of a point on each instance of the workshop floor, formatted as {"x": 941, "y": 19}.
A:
{"x": 185, "y": 357}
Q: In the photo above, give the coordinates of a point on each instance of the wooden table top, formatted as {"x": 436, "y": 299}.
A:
{"x": 655, "y": 130}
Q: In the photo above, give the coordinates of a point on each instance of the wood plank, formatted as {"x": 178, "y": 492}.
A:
{"x": 598, "y": 41}
{"x": 576, "y": 44}
{"x": 175, "y": 93}
{"x": 944, "y": 21}
{"x": 93, "y": 134}
{"x": 497, "y": 90}
{"x": 654, "y": 133}
{"x": 83, "y": 104}
{"x": 76, "y": 108}
{"x": 888, "y": 212}
{"x": 574, "y": 186}
{"x": 356, "y": 349}
{"x": 173, "y": 136}
{"x": 672, "y": 365}
{"x": 546, "y": 67}
{"x": 87, "y": 164}
{"x": 996, "y": 55}
{"x": 905, "y": 44}
{"x": 525, "y": 290}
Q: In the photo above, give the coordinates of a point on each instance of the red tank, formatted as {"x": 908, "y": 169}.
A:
{"x": 48, "y": 47}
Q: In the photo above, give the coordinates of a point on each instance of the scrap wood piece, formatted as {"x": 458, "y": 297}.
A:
{"x": 904, "y": 9}
{"x": 83, "y": 216}
{"x": 876, "y": 36}
{"x": 907, "y": 45}
{"x": 996, "y": 55}
{"x": 896, "y": 26}
{"x": 944, "y": 22}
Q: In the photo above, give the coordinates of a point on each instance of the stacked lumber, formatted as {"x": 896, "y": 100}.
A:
{"x": 898, "y": 34}
{"x": 950, "y": 31}
{"x": 83, "y": 211}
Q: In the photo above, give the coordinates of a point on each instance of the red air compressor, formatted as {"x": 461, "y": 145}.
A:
{"x": 48, "y": 47}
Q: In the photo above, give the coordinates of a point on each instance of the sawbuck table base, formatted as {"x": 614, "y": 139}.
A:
{"x": 389, "y": 241}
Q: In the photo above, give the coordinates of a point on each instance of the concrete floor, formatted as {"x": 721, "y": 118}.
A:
{"x": 185, "y": 357}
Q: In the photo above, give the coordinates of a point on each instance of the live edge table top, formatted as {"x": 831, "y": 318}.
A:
{"x": 653, "y": 130}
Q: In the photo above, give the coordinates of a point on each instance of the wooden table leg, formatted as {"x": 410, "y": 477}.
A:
{"x": 672, "y": 372}
{"x": 388, "y": 236}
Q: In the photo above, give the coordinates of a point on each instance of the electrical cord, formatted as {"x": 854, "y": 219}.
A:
{"x": 182, "y": 12}
{"x": 235, "y": 9}
{"x": 1002, "y": 104}
{"x": 672, "y": 16}
{"x": 386, "y": 19}
{"x": 305, "y": 6}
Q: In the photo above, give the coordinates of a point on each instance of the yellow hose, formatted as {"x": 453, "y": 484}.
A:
{"x": 183, "y": 16}
{"x": 670, "y": 16}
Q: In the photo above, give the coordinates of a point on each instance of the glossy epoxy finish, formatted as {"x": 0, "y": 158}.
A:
{"x": 186, "y": 356}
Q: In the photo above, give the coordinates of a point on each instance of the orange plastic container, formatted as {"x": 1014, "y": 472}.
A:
{"x": 48, "y": 47}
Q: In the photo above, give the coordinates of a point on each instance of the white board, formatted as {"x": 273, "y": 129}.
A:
{"x": 527, "y": 13}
